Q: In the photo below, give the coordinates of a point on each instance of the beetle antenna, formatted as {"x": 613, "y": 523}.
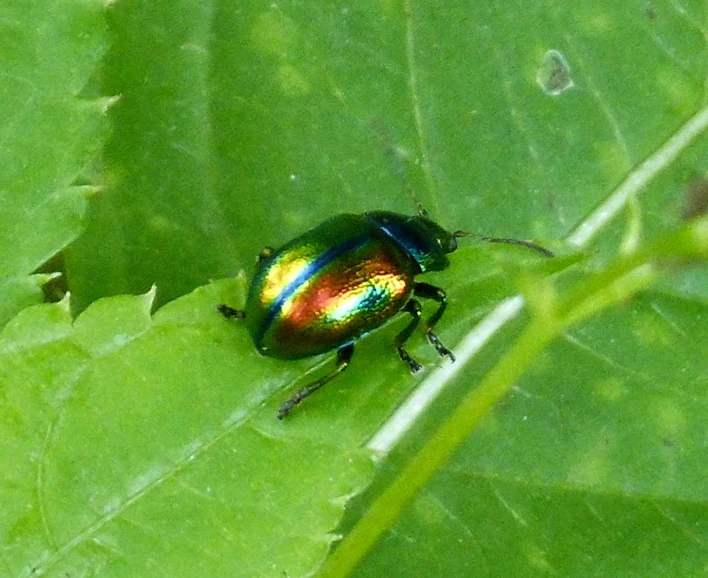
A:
{"x": 528, "y": 244}
{"x": 421, "y": 210}
{"x": 397, "y": 158}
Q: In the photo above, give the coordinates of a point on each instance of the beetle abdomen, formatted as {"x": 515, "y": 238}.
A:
{"x": 346, "y": 291}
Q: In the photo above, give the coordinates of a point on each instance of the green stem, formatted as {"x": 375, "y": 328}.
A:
{"x": 386, "y": 509}
{"x": 624, "y": 278}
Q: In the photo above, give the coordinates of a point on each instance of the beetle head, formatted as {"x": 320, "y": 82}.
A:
{"x": 422, "y": 238}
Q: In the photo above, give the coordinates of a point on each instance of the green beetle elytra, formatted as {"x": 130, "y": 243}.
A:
{"x": 339, "y": 281}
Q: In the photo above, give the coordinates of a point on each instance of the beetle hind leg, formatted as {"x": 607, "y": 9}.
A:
{"x": 427, "y": 291}
{"x": 414, "y": 308}
{"x": 344, "y": 356}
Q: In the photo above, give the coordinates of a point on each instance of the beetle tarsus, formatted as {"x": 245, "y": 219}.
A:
{"x": 344, "y": 356}
{"x": 413, "y": 365}
{"x": 439, "y": 347}
{"x": 230, "y": 312}
{"x": 287, "y": 407}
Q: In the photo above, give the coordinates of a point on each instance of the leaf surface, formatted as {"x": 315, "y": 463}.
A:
{"x": 48, "y": 50}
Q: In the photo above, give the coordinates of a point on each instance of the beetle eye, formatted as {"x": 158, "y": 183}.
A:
{"x": 452, "y": 244}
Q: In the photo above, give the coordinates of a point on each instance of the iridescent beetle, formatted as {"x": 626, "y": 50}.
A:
{"x": 334, "y": 284}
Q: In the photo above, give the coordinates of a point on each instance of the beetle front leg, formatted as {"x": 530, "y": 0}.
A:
{"x": 344, "y": 356}
{"x": 428, "y": 291}
{"x": 412, "y": 307}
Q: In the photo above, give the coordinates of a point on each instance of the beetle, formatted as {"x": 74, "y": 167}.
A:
{"x": 332, "y": 285}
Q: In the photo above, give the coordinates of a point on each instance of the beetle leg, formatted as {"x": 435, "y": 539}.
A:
{"x": 264, "y": 254}
{"x": 428, "y": 291}
{"x": 344, "y": 356}
{"x": 414, "y": 308}
{"x": 230, "y": 312}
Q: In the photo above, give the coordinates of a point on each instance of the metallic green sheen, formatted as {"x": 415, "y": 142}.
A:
{"x": 340, "y": 281}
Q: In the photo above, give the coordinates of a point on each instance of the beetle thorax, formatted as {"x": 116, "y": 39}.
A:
{"x": 423, "y": 239}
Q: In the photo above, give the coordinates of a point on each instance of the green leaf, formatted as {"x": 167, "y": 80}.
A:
{"x": 20, "y": 292}
{"x": 240, "y": 126}
{"x": 607, "y": 456}
{"x": 128, "y": 439}
{"x": 48, "y": 50}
